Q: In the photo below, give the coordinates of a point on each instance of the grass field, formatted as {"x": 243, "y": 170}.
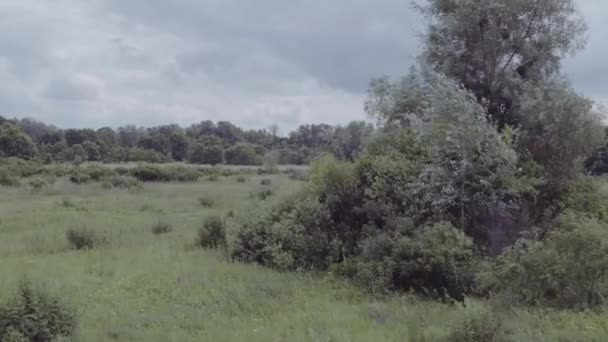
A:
{"x": 146, "y": 287}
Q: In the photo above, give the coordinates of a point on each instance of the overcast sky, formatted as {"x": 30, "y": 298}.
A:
{"x": 91, "y": 63}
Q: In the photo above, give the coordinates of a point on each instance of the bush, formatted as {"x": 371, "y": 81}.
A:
{"x": 147, "y": 173}
{"x": 241, "y": 179}
{"x": 80, "y": 178}
{"x": 182, "y": 174}
{"x": 242, "y": 154}
{"x": 294, "y": 235}
{"x": 477, "y": 323}
{"x": 37, "y": 183}
{"x": 7, "y": 179}
{"x": 213, "y": 233}
{"x": 566, "y": 269}
{"x": 213, "y": 178}
{"x": 206, "y": 202}
{"x": 34, "y": 315}
{"x": 161, "y": 227}
{"x": 266, "y": 182}
{"x": 82, "y": 238}
{"x": 261, "y": 194}
{"x": 67, "y": 202}
{"x": 436, "y": 260}
{"x": 121, "y": 182}
{"x": 206, "y": 154}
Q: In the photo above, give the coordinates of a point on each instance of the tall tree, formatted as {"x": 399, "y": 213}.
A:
{"x": 494, "y": 47}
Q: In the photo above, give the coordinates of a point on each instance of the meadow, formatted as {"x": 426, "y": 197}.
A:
{"x": 140, "y": 286}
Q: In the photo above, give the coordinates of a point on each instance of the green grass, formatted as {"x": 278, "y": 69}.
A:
{"x": 142, "y": 287}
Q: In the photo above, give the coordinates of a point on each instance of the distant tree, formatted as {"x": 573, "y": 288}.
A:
{"x": 179, "y": 146}
{"x": 204, "y": 128}
{"x": 92, "y": 150}
{"x": 228, "y": 132}
{"x": 242, "y": 154}
{"x": 15, "y": 143}
{"x": 348, "y": 141}
{"x": 75, "y": 153}
{"x": 206, "y": 154}
{"x": 79, "y": 136}
{"x": 157, "y": 142}
{"x": 35, "y": 129}
{"x": 128, "y": 136}
{"x": 107, "y": 136}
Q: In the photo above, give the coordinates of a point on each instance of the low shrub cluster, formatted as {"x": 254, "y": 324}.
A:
{"x": 121, "y": 182}
{"x": 206, "y": 202}
{"x": 161, "y": 227}
{"x": 34, "y": 315}
{"x": 82, "y": 238}
{"x": 7, "y": 179}
{"x": 212, "y": 233}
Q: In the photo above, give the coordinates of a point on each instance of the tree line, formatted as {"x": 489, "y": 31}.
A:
{"x": 206, "y": 142}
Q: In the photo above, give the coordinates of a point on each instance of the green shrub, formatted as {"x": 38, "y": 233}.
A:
{"x": 182, "y": 174}
{"x": 290, "y": 236}
{"x": 206, "y": 202}
{"x": 213, "y": 233}
{"x": 80, "y": 178}
{"x": 33, "y": 315}
{"x": 241, "y": 179}
{"x": 568, "y": 268}
{"x": 266, "y": 182}
{"x": 37, "y": 183}
{"x": 213, "y": 178}
{"x": 147, "y": 173}
{"x": 263, "y": 194}
{"x": 121, "y": 182}
{"x": 7, "y": 179}
{"x": 67, "y": 202}
{"x": 477, "y": 323}
{"x": 161, "y": 227}
{"x": 437, "y": 260}
{"x": 83, "y": 238}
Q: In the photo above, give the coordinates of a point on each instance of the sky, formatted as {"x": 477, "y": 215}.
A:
{"x": 94, "y": 63}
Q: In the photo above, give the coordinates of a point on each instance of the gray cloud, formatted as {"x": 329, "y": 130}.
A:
{"x": 114, "y": 62}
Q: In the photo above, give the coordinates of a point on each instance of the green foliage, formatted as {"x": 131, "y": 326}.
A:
{"x": 150, "y": 173}
{"x": 568, "y": 268}
{"x": 37, "y": 183}
{"x": 7, "y": 179}
{"x": 206, "y": 202}
{"x": 206, "y": 154}
{"x": 271, "y": 162}
{"x": 161, "y": 227}
{"x": 241, "y": 179}
{"x": 437, "y": 260}
{"x": 511, "y": 43}
{"x": 262, "y": 194}
{"x": 35, "y": 316}
{"x": 82, "y": 238}
{"x": 15, "y": 143}
{"x": 242, "y": 154}
{"x": 266, "y": 182}
{"x": 560, "y": 130}
{"x": 212, "y": 234}
{"x": 121, "y": 182}
{"x": 79, "y": 177}
{"x": 478, "y": 323}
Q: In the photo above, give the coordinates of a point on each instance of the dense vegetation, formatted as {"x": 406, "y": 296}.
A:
{"x": 203, "y": 143}
{"x": 473, "y": 185}
{"x": 478, "y": 187}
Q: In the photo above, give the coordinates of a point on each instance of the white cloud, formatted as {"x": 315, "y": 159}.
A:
{"x": 81, "y": 63}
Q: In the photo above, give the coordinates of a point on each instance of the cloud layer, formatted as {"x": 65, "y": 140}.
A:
{"x": 81, "y": 63}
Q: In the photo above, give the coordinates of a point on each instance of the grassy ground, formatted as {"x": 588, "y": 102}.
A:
{"x": 145, "y": 287}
